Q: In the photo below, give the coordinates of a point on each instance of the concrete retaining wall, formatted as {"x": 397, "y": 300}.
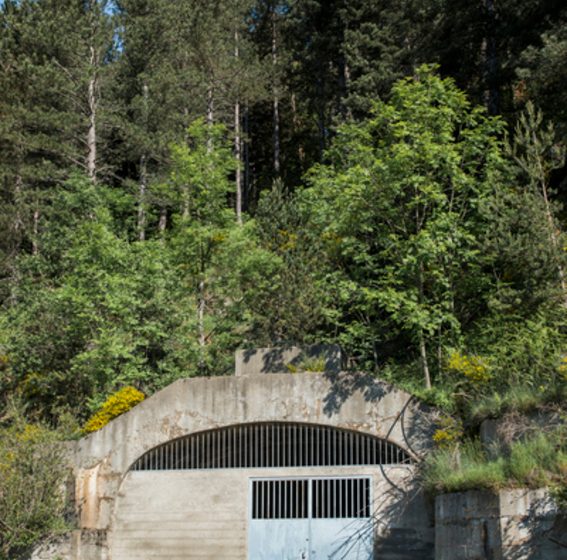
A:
{"x": 515, "y": 524}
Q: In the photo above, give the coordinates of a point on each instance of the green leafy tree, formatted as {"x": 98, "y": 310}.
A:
{"x": 294, "y": 307}
{"x": 214, "y": 256}
{"x": 401, "y": 197}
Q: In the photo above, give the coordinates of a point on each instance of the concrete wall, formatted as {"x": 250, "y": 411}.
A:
{"x": 203, "y": 514}
{"x": 514, "y": 524}
{"x": 108, "y": 495}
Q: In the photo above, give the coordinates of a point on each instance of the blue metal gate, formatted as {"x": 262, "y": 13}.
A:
{"x": 310, "y": 519}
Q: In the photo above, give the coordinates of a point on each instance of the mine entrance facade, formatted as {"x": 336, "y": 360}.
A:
{"x": 310, "y": 518}
{"x": 258, "y": 491}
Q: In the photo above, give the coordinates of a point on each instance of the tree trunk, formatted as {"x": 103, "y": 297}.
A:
{"x": 296, "y": 124}
{"x": 246, "y": 145}
{"x": 424, "y": 362}
{"x": 35, "y": 236}
{"x": 490, "y": 58}
{"x": 201, "y": 323}
{"x": 162, "y": 224}
{"x": 210, "y": 109}
{"x": 421, "y": 337}
{"x": 237, "y": 145}
{"x": 92, "y": 106}
{"x": 276, "y": 109}
{"x": 143, "y": 186}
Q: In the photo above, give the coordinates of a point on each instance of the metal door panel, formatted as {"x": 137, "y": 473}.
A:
{"x": 278, "y": 539}
{"x": 318, "y": 518}
{"x": 341, "y": 539}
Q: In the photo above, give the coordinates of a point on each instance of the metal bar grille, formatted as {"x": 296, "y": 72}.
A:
{"x": 272, "y": 445}
{"x": 330, "y": 498}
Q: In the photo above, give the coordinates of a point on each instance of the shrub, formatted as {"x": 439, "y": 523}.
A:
{"x": 463, "y": 467}
{"x": 473, "y": 368}
{"x": 115, "y": 405}
{"x": 538, "y": 461}
{"x": 32, "y": 477}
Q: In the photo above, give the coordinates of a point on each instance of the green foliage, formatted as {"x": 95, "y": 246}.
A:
{"x": 401, "y": 197}
{"x": 535, "y": 462}
{"x": 32, "y": 485}
{"x": 517, "y": 398}
{"x": 457, "y": 469}
{"x": 116, "y": 404}
{"x": 294, "y": 305}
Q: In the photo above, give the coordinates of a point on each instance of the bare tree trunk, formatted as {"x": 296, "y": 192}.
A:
{"x": 238, "y": 157}
{"x": 421, "y": 337}
{"x": 424, "y": 362}
{"x": 296, "y": 124}
{"x": 246, "y": 156}
{"x": 35, "y": 244}
{"x": 143, "y": 186}
{"x": 93, "y": 105}
{"x": 276, "y": 109}
{"x": 17, "y": 227}
{"x": 162, "y": 224}
{"x": 490, "y": 58}
{"x": 237, "y": 145}
{"x": 210, "y": 114}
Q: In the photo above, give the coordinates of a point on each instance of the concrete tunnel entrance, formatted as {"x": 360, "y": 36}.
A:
{"x": 314, "y": 498}
{"x": 261, "y": 465}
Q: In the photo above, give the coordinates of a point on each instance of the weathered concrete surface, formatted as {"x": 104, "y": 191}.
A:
{"x": 513, "y": 524}
{"x": 259, "y": 361}
{"x": 108, "y": 495}
{"x": 203, "y": 514}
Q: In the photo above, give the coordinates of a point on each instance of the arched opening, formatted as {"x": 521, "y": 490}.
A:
{"x": 272, "y": 445}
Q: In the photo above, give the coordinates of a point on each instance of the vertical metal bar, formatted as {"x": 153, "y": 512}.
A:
{"x": 299, "y": 462}
{"x": 287, "y": 438}
{"x": 278, "y": 452}
{"x": 274, "y": 444}
{"x": 255, "y": 455}
{"x": 270, "y": 498}
{"x": 240, "y": 446}
{"x": 246, "y": 445}
{"x": 313, "y": 501}
{"x": 279, "y": 498}
{"x": 330, "y": 497}
{"x": 285, "y": 500}
{"x": 283, "y": 429}
{"x": 352, "y": 498}
{"x": 311, "y": 446}
{"x": 316, "y": 443}
{"x": 341, "y": 493}
{"x": 295, "y": 442}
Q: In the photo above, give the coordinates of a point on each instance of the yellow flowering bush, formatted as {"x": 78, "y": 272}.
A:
{"x": 448, "y": 433}
{"x": 118, "y": 403}
{"x": 473, "y": 368}
{"x": 562, "y": 369}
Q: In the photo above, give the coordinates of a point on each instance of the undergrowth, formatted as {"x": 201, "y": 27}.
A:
{"x": 536, "y": 462}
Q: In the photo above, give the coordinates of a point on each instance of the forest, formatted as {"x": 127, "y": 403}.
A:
{"x": 179, "y": 179}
